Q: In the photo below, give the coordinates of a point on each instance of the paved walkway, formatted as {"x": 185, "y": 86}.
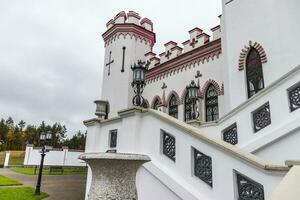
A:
{"x": 59, "y": 187}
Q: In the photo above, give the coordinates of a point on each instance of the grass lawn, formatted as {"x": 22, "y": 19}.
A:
{"x": 5, "y": 181}
{"x": 67, "y": 171}
{"x": 20, "y": 193}
{"x": 16, "y": 157}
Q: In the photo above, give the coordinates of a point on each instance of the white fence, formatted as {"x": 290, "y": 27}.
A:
{"x": 55, "y": 157}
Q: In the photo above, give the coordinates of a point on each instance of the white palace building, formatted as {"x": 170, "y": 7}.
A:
{"x": 240, "y": 139}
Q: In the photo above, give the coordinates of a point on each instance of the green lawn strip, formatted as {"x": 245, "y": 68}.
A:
{"x": 20, "y": 193}
{"x": 5, "y": 181}
{"x": 67, "y": 171}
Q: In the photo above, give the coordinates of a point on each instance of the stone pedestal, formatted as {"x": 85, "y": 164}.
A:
{"x": 113, "y": 175}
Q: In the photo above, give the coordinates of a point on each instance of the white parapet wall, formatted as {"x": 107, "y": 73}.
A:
{"x": 141, "y": 131}
{"x": 55, "y": 157}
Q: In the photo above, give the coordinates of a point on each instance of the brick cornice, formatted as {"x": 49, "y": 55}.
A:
{"x": 129, "y": 28}
{"x": 200, "y": 54}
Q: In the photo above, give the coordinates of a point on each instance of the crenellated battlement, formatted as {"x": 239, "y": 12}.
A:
{"x": 198, "y": 38}
{"x": 130, "y": 25}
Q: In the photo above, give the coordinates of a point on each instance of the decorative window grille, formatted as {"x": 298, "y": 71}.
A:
{"x": 187, "y": 108}
{"x": 211, "y": 104}
{"x": 173, "y": 107}
{"x": 230, "y": 134}
{"x": 169, "y": 145}
{"x": 249, "y": 189}
{"x": 203, "y": 167}
{"x": 294, "y": 97}
{"x": 261, "y": 117}
{"x": 156, "y": 104}
{"x": 113, "y": 134}
{"x": 254, "y": 73}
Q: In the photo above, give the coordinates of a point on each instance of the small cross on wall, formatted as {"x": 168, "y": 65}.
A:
{"x": 109, "y": 62}
{"x": 193, "y": 43}
{"x": 164, "y": 86}
{"x": 198, "y": 75}
{"x": 168, "y": 54}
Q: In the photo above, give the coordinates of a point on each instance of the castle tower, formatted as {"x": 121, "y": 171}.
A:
{"x": 127, "y": 39}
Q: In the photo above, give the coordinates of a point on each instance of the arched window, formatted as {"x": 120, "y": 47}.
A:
{"x": 254, "y": 73}
{"x": 211, "y": 103}
{"x": 156, "y": 104}
{"x": 173, "y": 107}
{"x": 187, "y": 108}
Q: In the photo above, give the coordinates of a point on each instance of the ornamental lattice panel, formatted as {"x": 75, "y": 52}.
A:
{"x": 294, "y": 97}
{"x": 113, "y": 138}
{"x": 261, "y": 117}
{"x": 249, "y": 189}
{"x": 203, "y": 167}
{"x": 169, "y": 146}
{"x": 230, "y": 134}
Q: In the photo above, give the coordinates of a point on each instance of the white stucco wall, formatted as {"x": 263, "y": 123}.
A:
{"x": 273, "y": 24}
{"x": 141, "y": 133}
{"x": 63, "y": 157}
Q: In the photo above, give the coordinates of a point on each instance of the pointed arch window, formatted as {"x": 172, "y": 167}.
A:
{"x": 156, "y": 104}
{"x": 211, "y": 103}
{"x": 254, "y": 73}
{"x": 187, "y": 108}
{"x": 173, "y": 107}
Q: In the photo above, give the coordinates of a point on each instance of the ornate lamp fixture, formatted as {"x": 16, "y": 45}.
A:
{"x": 138, "y": 82}
{"x": 101, "y": 109}
{"x": 44, "y": 138}
{"x": 193, "y": 96}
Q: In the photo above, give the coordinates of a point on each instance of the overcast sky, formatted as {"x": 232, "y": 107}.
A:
{"x": 51, "y": 52}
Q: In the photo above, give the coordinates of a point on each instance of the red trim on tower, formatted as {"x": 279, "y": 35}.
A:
{"x": 133, "y": 14}
{"x": 176, "y": 47}
{"x": 245, "y": 51}
{"x": 215, "y": 28}
{"x": 170, "y": 42}
{"x": 120, "y": 14}
{"x": 195, "y": 29}
{"x": 146, "y": 20}
{"x": 200, "y": 54}
{"x": 186, "y": 42}
{"x": 150, "y": 53}
{"x": 129, "y": 28}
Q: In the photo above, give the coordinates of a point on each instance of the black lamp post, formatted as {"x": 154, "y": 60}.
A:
{"x": 44, "y": 138}
{"x": 138, "y": 82}
{"x": 193, "y": 96}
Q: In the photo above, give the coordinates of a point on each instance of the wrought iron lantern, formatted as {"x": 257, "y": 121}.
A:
{"x": 44, "y": 138}
{"x": 101, "y": 109}
{"x": 138, "y": 82}
{"x": 193, "y": 96}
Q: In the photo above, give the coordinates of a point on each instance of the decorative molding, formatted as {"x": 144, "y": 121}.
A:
{"x": 215, "y": 84}
{"x": 129, "y": 29}
{"x": 146, "y": 102}
{"x": 245, "y": 51}
{"x": 176, "y": 96}
{"x": 185, "y": 61}
{"x": 156, "y": 97}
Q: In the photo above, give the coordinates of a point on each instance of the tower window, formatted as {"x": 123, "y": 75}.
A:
{"x": 173, "y": 107}
{"x": 211, "y": 103}
{"x": 254, "y": 73}
{"x": 113, "y": 134}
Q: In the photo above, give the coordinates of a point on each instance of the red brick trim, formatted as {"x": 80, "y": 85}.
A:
{"x": 185, "y": 61}
{"x": 147, "y": 103}
{"x": 245, "y": 51}
{"x": 176, "y": 96}
{"x": 170, "y": 42}
{"x": 215, "y": 84}
{"x": 154, "y": 99}
{"x": 128, "y": 29}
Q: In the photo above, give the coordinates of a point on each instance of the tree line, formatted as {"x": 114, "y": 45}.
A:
{"x": 15, "y": 136}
